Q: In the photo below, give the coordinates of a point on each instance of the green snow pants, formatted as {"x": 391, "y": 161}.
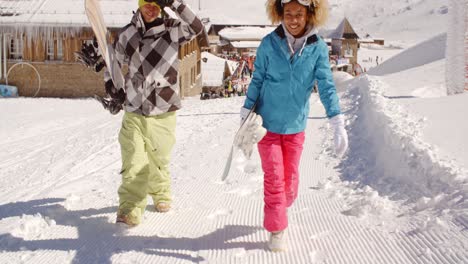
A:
{"x": 146, "y": 143}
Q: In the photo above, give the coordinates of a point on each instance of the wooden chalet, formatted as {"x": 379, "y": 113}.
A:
{"x": 38, "y": 40}
{"x": 344, "y": 43}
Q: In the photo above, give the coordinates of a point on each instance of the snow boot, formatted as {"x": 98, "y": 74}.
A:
{"x": 124, "y": 219}
{"x": 131, "y": 219}
{"x": 162, "y": 207}
{"x": 278, "y": 242}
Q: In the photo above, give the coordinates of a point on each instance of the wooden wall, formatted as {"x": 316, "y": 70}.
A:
{"x": 70, "y": 79}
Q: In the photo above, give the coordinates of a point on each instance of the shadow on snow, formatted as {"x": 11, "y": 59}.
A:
{"x": 98, "y": 239}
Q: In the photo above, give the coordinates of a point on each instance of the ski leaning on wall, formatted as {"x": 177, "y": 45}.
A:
{"x": 96, "y": 19}
{"x": 457, "y": 47}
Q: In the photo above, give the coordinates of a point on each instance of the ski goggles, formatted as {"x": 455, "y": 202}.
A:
{"x": 302, "y": 2}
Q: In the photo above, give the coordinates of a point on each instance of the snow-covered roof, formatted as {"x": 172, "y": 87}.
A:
{"x": 212, "y": 69}
{"x": 344, "y": 30}
{"x": 64, "y": 17}
{"x": 232, "y": 66}
{"x": 245, "y": 33}
{"x": 245, "y": 44}
{"x": 366, "y": 40}
{"x": 65, "y": 13}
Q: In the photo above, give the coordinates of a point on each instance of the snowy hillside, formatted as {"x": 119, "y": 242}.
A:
{"x": 231, "y": 12}
{"x": 405, "y": 21}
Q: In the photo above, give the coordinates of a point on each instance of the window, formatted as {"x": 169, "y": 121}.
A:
{"x": 193, "y": 75}
{"x": 16, "y": 48}
{"x": 59, "y": 49}
{"x": 54, "y": 49}
{"x": 50, "y": 50}
{"x": 348, "y": 51}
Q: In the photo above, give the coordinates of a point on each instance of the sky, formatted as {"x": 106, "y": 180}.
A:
{"x": 397, "y": 196}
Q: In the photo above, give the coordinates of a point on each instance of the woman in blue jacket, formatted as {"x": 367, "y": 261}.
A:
{"x": 290, "y": 60}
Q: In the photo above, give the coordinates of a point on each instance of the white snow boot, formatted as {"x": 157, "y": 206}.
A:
{"x": 278, "y": 241}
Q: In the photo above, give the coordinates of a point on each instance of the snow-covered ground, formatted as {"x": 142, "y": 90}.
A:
{"x": 399, "y": 195}
{"x": 59, "y": 173}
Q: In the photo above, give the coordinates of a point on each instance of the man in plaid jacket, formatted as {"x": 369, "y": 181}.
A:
{"x": 150, "y": 45}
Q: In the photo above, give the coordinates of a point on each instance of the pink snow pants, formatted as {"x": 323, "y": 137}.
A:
{"x": 280, "y": 156}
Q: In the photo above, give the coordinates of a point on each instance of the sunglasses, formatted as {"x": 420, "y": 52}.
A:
{"x": 302, "y": 2}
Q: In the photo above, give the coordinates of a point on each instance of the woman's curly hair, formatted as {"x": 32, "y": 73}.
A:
{"x": 318, "y": 17}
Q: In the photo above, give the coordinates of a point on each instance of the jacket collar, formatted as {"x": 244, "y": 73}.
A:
{"x": 137, "y": 21}
{"x": 310, "y": 39}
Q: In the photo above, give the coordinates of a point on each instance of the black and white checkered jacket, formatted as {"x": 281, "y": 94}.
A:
{"x": 151, "y": 83}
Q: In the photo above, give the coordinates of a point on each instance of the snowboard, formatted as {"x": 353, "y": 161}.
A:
{"x": 96, "y": 19}
{"x": 240, "y": 136}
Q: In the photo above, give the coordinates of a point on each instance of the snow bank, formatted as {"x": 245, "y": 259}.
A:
{"x": 420, "y": 54}
{"x": 341, "y": 80}
{"x": 387, "y": 152}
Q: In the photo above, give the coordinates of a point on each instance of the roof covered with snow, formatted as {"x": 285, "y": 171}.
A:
{"x": 344, "y": 30}
{"x": 245, "y": 44}
{"x": 64, "y": 13}
{"x": 245, "y": 33}
{"x": 67, "y": 17}
{"x": 212, "y": 70}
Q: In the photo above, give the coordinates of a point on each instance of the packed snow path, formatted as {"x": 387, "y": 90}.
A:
{"x": 59, "y": 174}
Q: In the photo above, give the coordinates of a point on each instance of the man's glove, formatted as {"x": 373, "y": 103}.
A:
{"x": 162, "y": 3}
{"x": 89, "y": 56}
{"x": 115, "y": 99}
{"x": 117, "y": 95}
{"x": 109, "y": 104}
{"x": 340, "y": 135}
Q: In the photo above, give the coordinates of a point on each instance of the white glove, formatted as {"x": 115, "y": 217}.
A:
{"x": 340, "y": 136}
{"x": 250, "y": 132}
{"x": 244, "y": 112}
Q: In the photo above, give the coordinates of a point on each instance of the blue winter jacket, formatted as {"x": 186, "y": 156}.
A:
{"x": 283, "y": 84}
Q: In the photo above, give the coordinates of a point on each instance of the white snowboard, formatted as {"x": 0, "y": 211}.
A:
{"x": 248, "y": 134}
{"x": 96, "y": 19}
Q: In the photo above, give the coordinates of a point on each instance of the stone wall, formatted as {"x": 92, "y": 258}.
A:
{"x": 73, "y": 80}
{"x": 67, "y": 80}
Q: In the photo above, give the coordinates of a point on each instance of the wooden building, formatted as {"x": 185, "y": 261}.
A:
{"x": 236, "y": 39}
{"x": 344, "y": 45}
{"x": 38, "y": 40}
